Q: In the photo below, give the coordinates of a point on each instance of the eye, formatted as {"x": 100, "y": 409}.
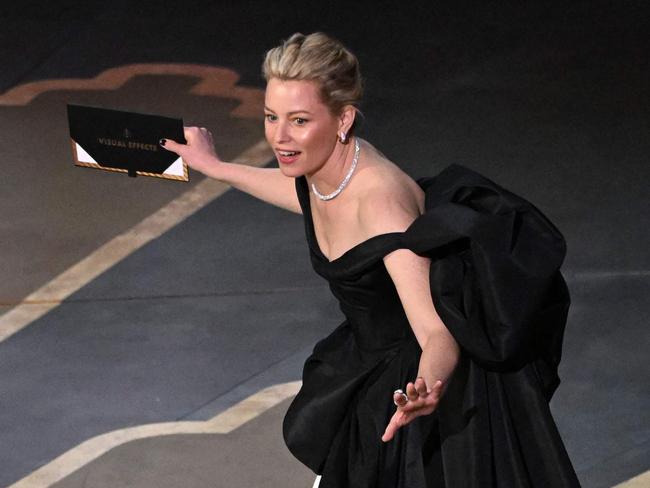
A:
{"x": 271, "y": 117}
{"x": 300, "y": 121}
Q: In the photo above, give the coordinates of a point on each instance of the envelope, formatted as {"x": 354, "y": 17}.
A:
{"x": 114, "y": 140}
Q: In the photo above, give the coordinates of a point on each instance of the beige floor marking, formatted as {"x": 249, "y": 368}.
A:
{"x": 640, "y": 481}
{"x": 212, "y": 81}
{"x": 223, "y": 423}
{"x": 51, "y": 295}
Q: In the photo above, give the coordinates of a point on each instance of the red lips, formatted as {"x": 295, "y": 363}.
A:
{"x": 288, "y": 159}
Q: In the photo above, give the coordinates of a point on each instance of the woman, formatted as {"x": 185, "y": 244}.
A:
{"x": 450, "y": 287}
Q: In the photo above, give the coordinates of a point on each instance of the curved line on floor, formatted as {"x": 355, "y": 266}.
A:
{"x": 223, "y": 423}
{"x": 213, "y": 81}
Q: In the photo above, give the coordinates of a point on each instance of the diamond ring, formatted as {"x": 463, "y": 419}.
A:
{"x": 400, "y": 392}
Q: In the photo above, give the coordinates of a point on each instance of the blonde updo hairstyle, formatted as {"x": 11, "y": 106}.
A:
{"x": 320, "y": 58}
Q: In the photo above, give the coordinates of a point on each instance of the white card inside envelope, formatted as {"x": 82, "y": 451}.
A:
{"x": 83, "y": 156}
{"x": 176, "y": 168}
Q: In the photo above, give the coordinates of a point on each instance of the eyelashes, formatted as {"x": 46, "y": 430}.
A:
{"x": 297, "y": 120}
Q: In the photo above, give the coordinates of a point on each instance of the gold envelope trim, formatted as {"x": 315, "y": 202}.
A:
{"x": 184, "y": 177}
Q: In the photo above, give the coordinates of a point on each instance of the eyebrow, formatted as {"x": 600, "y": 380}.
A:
{"x": 291, "y": 113}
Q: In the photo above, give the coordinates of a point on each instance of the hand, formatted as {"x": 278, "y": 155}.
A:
{"x": 198, "y": 153}
{"x": 420, "y": 402}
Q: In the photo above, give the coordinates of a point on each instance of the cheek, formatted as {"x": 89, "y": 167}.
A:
{"x": 317, "y": 137}
{"x": 268, "y": 132}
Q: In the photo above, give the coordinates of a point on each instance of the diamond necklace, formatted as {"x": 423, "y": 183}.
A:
{"x": 345, "y": 180}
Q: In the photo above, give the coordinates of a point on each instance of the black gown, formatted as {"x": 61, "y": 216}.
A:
{"x": 496, "y": 284}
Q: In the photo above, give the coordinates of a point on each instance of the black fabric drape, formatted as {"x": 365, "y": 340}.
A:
{"x": 496, "y": 284}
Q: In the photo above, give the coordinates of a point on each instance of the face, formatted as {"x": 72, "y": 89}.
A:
{"x": 299, "y": 126}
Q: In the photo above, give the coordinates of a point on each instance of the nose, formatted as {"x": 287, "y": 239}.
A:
{"x": 281, "y": 132}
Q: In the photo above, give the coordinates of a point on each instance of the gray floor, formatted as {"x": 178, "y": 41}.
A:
{"x": 551, "y": 103}
{"x": 237, "y": 460}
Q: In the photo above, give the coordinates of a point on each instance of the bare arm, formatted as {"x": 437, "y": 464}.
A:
{"x": 267, "y": 184}
{"x": 440, "y": 351}
{"x": 410, "y": 274}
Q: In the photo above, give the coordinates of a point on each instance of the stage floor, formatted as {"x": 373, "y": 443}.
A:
{"x": 152, "y": 333}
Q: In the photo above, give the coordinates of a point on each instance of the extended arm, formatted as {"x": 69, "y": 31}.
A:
{"x": 440, "y": 351}
{"x": 410, "y": 274}
{"x": 267, "y": 184}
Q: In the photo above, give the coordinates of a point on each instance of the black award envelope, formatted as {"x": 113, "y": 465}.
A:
{"x": 125, "y": 141}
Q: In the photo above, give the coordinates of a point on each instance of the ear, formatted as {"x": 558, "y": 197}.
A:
{"x": 346, "y": 119}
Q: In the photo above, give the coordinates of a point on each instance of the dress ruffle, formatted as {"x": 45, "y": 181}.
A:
{"x": 496, "y": 284}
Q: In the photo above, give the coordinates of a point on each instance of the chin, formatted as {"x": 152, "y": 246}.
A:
{"x": 291, "y": 171}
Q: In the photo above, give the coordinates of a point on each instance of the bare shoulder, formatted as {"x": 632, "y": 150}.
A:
{"x": 388, "y": 198}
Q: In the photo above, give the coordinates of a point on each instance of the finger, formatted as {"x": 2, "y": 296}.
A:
{"x": 397, "y": 420}
{"x": 190, "y": 129}
{"x": 411, "y": 392}
{"x": 421, "y": 387}
{"x": 414, "y": 406}
{"x": 436, "y": 391}
{"x": 389, "y": 433}
{"x": 171, "y": 145}
{"x": 399, "y": 399}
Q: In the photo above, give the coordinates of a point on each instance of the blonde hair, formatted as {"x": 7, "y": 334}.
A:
{"x": 320, "y": 58}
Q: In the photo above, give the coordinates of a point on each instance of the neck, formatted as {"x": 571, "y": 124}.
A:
{"x": 329, "y": 176}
